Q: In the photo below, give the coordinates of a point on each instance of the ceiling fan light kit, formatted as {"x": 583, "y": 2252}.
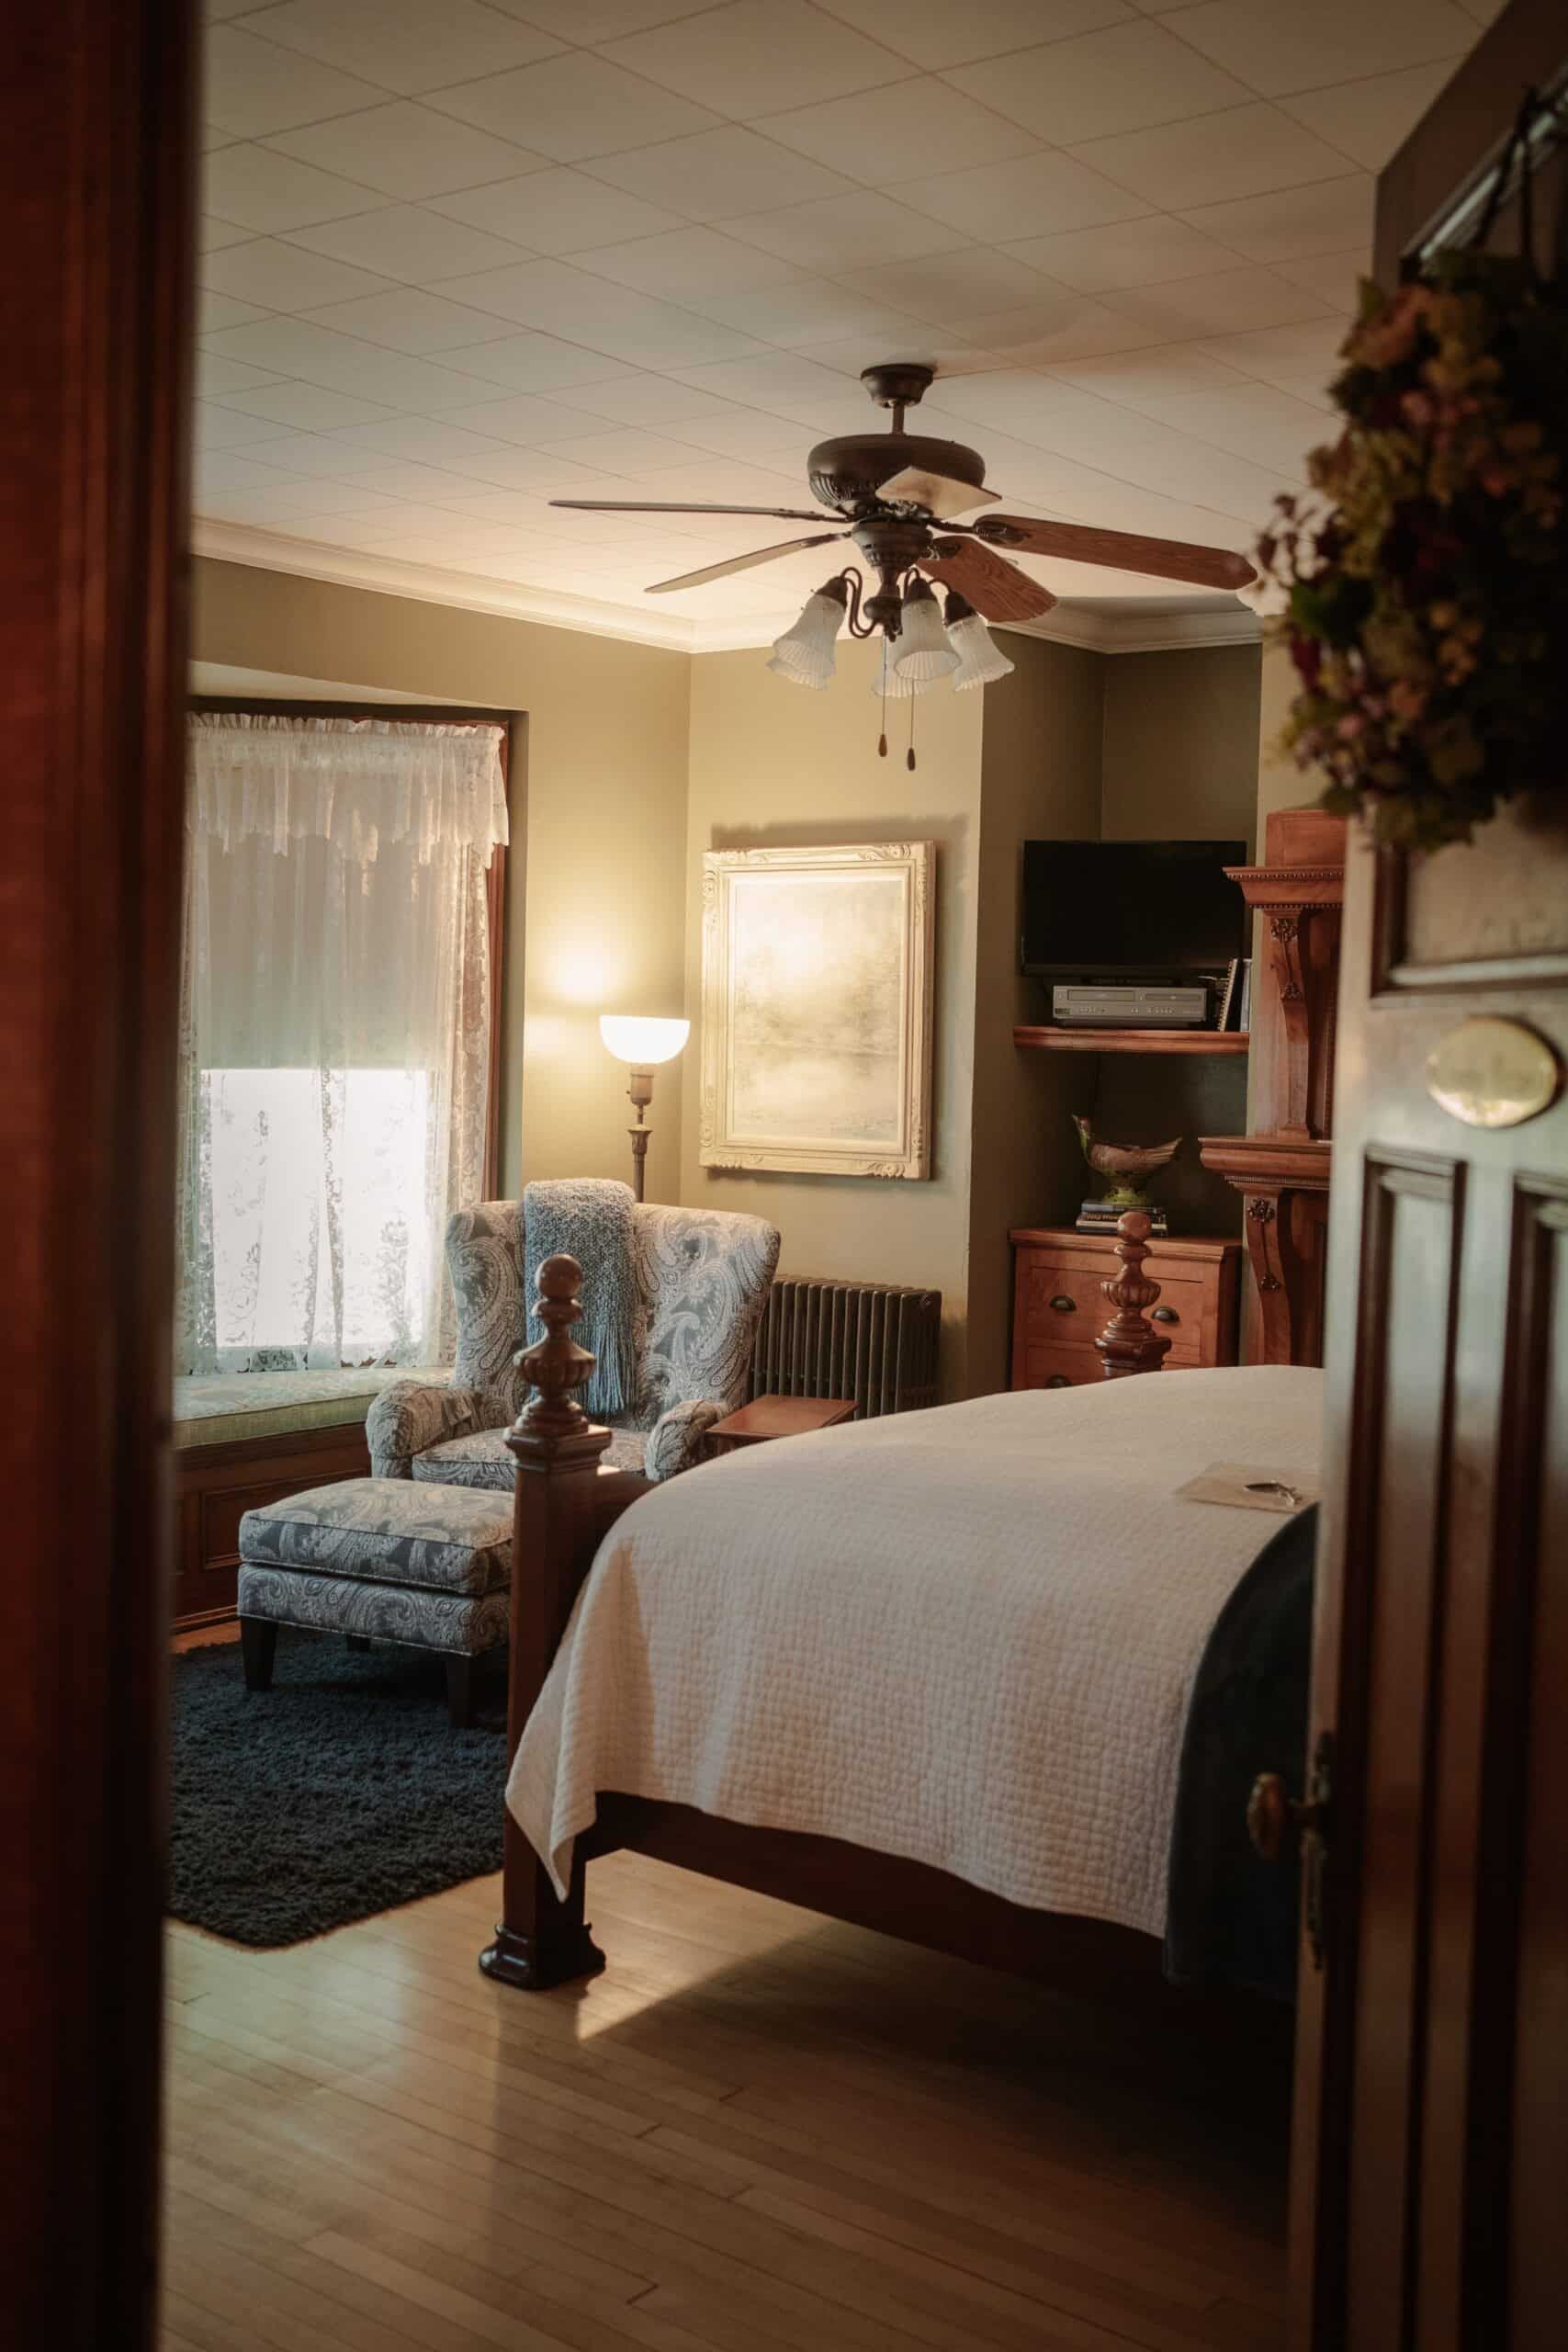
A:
{"x": 900, "y": 498}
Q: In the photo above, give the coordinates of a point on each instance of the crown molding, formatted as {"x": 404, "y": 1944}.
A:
{"x": 1093, "y": 632}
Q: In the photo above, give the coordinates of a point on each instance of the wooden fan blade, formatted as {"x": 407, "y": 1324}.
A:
{"x": 741, "y": 563}
{"x": 938, "y": 493}
{"x": 659, "y": 506}
{"x": 998, "y": 591}
{"x": 1078, "y": 543}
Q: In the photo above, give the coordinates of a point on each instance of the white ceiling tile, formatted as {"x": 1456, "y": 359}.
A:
{"x": 938, "y": 347}
{"x": 557, "y": 211}
{"x": 941, "y": 288}
{"x": 1333, "y": 277}
{"x": 1148, "y": 379}
{"x": 1251, "y": 421}
{"x": 409, "y": 318}
{"x": 211, "y": 136}
{"x": 554, "y": 476}
{"x": 541, "y": 520}
{"x": 893, "y": 134}
{"x": 220, "y": 428}
{"x": 588, "y": 22}
{"x": 268, "y": 192}
{"x": 1149, "y": 251}
{"x": 1330, "y": 217}
{"x": 1282, "y": 355}
{"x": 557, "y": 298}
{"x": 1247, "y": 150}
{"x": 813, "y": 309}
{"x": 1012, "y": 400}
{"x": 536, "y": 363}
{"x": 751, "y": 437}
{"x": 214, "y": 312}
{"x": 222, "y": 470}
{"x": 574, "y": 107}
{"x": 1035, "y": 196}
{"x": 406, "y": 150}
{"x": 720, "y": 173}
{"x": 297, "y": 408}
{"x": 212, "y": 234}
{"x": 1369, "y": 120}
{"x": 216, "y": 379}
{"x": 1065, "y": 328}
{"x": 424, "y": 438}
{"x": 623, "y": 453}
{"x": 266, "y": 508}
{"x": 411, "y": 242}
{"x": 407, "y": 45}
{"x": 1122, "y": 78}
{"x": 688, "y": 263}
{"x": 644, "y": 401}
{"x": 846, "y": 232}
{"x": 1277, "y": 46}
{"x": 935, "y": 33}
{"x": 405, "y": 478}
{"x": 300, "y": 347}
{"x": 753, "y": 57}
{"x": 787, "y": 385}
{"x": 253, "y": 87}
{"x": 283, "y": 277}
{"x": 533, "y": 423}
{"x": 1233, "y": 301}
{"x": 1211, "y": 477}
{"x": 302, "y": 453}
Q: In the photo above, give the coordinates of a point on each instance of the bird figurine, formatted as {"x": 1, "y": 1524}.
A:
{"x": 1125, "y": 1165}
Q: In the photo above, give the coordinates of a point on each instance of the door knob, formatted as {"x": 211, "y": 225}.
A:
{"x": 1270, "y": 1812}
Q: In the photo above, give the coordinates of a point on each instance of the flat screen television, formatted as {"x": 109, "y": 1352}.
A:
{"x": 1092, "y": 909}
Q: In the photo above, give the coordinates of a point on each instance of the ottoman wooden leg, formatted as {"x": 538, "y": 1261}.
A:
{"x": 461, "y": 1691}
{"x": 258, "y": 1648}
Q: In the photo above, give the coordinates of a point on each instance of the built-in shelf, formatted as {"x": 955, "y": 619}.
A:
{"x": 1132, "y": 1041}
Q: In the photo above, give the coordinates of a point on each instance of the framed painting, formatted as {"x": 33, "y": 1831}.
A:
{"x": 817, "y": 1010}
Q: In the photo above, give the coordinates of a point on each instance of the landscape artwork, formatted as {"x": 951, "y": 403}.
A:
{"x": 817, "y": 1010}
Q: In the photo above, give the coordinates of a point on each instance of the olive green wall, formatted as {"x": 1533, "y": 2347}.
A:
{"x": 595, "y": 876}
{"x": 1181, "y": 745}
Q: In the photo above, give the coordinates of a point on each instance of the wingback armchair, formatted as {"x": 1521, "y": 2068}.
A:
{"x": 704, "y": 1277}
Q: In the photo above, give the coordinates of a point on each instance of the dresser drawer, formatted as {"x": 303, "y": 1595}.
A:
{"x": 1064, "y": 1307}
{"x": 1043, "y": 1367}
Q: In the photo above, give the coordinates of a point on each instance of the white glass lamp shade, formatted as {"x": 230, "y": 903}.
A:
{"x": 804, "y": 654}
{"x": 887, "y": 686}
{"x": 980, "y": 660}
{"x": 922, "y": 651}
{"x": 643, "y": 1043}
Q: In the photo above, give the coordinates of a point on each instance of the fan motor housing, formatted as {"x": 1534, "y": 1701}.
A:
{"x": 846, "y": 472}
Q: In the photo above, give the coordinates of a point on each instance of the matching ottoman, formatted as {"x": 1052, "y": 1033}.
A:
{"x": 389, "y": 1559}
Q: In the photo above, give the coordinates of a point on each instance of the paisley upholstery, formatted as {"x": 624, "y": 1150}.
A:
{"x": 467, "y": 1624}
{"x": 704, "y": 1276}
{"x": 386, "y": 1531}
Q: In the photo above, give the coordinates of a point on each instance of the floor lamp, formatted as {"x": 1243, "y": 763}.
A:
{"x": 644, "y": 1044}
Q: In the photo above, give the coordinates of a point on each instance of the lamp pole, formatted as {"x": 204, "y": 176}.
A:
{"x": 640, "y": 1095}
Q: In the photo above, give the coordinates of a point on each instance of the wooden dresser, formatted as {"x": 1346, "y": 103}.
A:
{"x": 1059, "y": 1307}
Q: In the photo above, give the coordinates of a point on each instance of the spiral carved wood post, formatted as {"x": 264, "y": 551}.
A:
{"x": 539, "y": 1940}
{"x": 1129, "y": 1342}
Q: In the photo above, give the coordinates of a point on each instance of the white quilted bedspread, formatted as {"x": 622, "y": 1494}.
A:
{"x": 967, "y": 1636}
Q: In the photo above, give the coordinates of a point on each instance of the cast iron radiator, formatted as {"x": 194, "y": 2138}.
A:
{"x": 873, "y": 1341}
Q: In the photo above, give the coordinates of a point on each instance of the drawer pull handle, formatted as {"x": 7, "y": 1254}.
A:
{"x": 1063, "y": 1305}
{"x": 1163, "y": 1315}
{"x": 1058, "y": 1380}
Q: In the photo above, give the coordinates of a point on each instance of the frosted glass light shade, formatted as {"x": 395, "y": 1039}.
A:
{"x": 804, "y": 654}
{"x": 980, "y": 660}
{"x": 643, "y": 1043}
{"x": 922, "y": 651}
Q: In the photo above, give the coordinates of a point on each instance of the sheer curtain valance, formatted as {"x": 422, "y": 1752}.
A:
{"x": 335, "y": 1033}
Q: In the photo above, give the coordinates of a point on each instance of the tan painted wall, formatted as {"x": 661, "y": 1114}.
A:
{"x": 596, "y": 871}
{"x": 1281, "y": 785}
{"x": 1040, "y": 777}
{"x": 1181, "y": 745}
{"x": 810, "y": 761}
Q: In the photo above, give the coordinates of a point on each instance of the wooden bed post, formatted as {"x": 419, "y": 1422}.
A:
{"x": 1129, "y": 1342}
{"x": 540, "y": 1941}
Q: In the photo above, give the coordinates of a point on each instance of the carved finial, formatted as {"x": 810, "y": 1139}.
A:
{"x": 554, "y": 1365}
{"x": 1129, "y": 1342}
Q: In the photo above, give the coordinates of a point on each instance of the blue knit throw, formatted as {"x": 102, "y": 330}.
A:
{"x": 590, "y": 1218}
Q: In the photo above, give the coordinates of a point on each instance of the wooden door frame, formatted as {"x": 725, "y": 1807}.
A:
{"x": 97, "y": 146}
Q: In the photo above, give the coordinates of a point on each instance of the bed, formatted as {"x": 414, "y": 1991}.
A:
{"x": 933, "y": 1674}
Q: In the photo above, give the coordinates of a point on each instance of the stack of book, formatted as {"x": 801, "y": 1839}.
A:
{"x": 1100, "y": 1217}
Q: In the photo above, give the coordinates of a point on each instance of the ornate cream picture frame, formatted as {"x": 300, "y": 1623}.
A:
{"x": 817, "y": 1009}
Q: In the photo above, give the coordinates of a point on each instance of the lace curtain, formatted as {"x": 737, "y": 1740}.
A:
{"x": 335, "y": 1035}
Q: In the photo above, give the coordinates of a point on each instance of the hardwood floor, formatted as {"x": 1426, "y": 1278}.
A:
{"x": 757, "y": 2129}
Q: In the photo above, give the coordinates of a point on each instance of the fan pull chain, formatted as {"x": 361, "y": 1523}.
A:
{"x": 881, "y": 739}
{"x": 910, "y": 762}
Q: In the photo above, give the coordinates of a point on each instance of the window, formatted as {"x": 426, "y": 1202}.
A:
{"x": 337, "y": 1026}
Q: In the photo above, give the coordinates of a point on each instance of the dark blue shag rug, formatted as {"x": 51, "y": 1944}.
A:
{"x": 341, "y": 1791}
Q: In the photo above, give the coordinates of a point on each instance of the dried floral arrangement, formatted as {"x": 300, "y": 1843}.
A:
{"x": 1428, "y": 581}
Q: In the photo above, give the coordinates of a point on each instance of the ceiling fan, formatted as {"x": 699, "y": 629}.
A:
{"x": 897, "y": 495}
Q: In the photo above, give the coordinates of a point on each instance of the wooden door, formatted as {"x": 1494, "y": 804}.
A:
{"x": 1430, "y": 2179}
{"x": 95, "y": 171}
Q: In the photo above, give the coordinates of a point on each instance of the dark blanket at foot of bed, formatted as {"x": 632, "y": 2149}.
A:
{"x": 1232, "y": 1919}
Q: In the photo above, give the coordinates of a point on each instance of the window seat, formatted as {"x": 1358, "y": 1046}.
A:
{"x": 247, "y": 1439}
{"x": 216, "y": 1408}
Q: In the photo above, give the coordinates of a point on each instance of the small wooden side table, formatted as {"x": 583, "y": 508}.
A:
{"x": 770, "y": 1417}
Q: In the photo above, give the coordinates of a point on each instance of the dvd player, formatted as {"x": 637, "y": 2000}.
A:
{"x": 1085, "y": 1005}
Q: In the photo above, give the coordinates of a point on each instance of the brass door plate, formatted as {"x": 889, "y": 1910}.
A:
{"x": 1493, "y": 1073}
